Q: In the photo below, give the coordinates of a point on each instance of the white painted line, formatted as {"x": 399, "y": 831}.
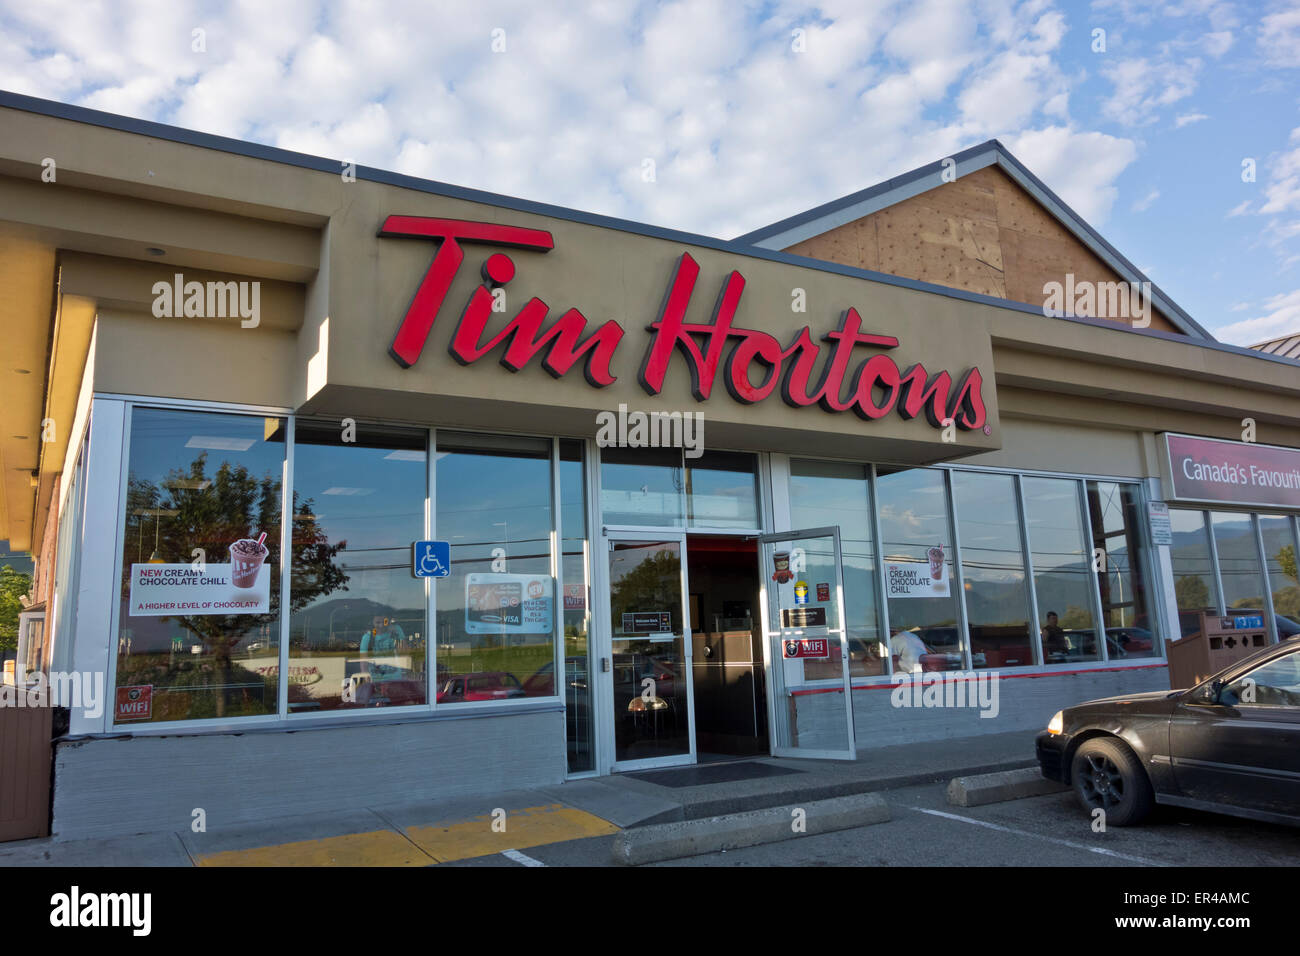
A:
{"x": 1038, "y": 836}
{"x": 521, "y": 858}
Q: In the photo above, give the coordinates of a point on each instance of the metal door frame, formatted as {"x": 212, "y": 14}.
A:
{"x": 605, "y": 636}
{"x": 771, "y": 662}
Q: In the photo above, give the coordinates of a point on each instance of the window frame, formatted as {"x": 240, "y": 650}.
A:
{"x": 282, "y": 720}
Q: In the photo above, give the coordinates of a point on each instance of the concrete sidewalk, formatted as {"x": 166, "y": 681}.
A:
{"x": 426, "y": 834}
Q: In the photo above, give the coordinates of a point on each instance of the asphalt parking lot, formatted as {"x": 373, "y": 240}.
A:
{"x": 1036, "y": 831}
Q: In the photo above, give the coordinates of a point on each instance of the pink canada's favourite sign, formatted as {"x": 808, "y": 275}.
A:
{"x": 1237, "y": 473}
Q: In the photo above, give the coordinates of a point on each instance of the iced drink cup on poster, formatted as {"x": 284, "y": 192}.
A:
{"x": 936, "y": 563}
{"x": 246, "y": 557}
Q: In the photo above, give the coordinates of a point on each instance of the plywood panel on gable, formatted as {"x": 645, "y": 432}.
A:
{"x": 981, "y": 233}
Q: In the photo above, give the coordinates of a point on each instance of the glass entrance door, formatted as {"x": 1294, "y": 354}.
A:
{"x": 810, "y": 698}
{"x": 653, "y": 719}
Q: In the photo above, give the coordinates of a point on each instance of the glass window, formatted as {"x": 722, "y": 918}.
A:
{"x": 357, "y": 634}
{"x": 993, "y": 569}
{"x": 1062, "y": 563}
{"x": 1239, "y": 569}
{"x": 1115, "y": 513}
{"x": 1280, "y": 550}
{"x": 199, "y": 616}
{"x": 1275, "y": 684}
{"x": 1195, "y": 586}
{"x": 496, "y": 611}
{"x": 916, "y": 541}
{"x": 642, "y": 486}
{"x": 722, "y": 490}
{"x": 579, "y": 729}
{"x": 823, "y": 494}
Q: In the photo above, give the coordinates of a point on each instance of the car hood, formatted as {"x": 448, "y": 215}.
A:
{"x": 1125, "y": 698}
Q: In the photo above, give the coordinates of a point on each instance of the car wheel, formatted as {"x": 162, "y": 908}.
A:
{"x": 1107, "y": 775}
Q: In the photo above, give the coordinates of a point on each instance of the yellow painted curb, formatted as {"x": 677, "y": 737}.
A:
{"x": 376, "y": 848}
{"x": 529, "y": 826}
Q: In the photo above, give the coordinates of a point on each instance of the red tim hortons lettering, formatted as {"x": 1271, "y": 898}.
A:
{"x": 877, "y": 387}
{"x": 526, "y": 340}
{"x": 874, "y": 388}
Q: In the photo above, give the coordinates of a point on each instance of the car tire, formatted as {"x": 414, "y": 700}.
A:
{"x": 1106, "y": 774}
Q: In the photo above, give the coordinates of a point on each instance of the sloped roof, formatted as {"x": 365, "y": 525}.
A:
{"x": 1288, "y": 346}
{"x": 846, "y": 209}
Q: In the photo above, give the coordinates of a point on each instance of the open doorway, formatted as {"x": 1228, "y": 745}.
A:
{"x": 726, "y": 647}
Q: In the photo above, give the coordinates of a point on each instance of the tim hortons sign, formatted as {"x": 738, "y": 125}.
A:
{"x": 753, "y": 364}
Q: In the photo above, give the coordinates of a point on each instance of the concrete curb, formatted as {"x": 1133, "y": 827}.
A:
{"x": 996, "y": 787}
{"x": 668, "y": 841}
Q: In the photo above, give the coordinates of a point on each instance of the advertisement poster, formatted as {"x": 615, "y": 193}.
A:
{"x": 178, "y": 590}
{"x": 508, "y": 604}
{"x": 915, "y": 580}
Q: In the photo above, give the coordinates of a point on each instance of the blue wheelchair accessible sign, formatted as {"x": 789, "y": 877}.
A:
{"x": 431, "y": 559}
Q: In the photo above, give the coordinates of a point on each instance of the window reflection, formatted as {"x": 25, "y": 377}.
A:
{"x": 824, "y": 494}
{"x": 916, "y": 542}
{"x": 1114, "y": 511}
{"x": 993, "y": 569}
{"x": 722, "y": 490}
{"x": 199, "y": 637}
{"x": 1280, "y": 548}
{"x": 1062, "y": 564}
{"x": 1195, "y": 587}
{"x": 642, "y": 486}
{"x": 357, "y": 637}
{"x": 496, "y": 611}
{"x": 1239, "y": 568}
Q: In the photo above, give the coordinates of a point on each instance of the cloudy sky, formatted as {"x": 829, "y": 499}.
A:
{"x": 749, "y": 111}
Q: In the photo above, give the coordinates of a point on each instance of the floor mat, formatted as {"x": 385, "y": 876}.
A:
{"x": 717, "y": 773}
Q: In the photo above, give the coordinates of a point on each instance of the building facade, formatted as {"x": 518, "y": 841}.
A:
{"x": 699, "y": 497}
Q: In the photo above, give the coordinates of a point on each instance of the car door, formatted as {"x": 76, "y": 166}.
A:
{"x": 1243, "y": 750}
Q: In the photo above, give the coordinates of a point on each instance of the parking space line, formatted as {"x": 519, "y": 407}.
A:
{"x": 1038, "y": 836}
{"x": 521, "y": 858}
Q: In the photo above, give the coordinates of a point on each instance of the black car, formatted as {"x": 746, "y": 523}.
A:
{"x": 1231, "y": 744}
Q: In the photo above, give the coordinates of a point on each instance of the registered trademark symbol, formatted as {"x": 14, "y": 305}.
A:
{"x": 988, "y": 430}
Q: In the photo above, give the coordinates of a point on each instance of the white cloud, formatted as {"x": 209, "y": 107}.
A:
{"x": 1187, "y": 119}
{"x": 1279, "y": 38}
{"x": 1282, "y": 317}
{"x": 742, "y": 129}
{"x": 1240, "y": 209}
{"x": 1143, "y": 87}
{"x": 1143, "y": 204}
{"x": 1080, "y": 167}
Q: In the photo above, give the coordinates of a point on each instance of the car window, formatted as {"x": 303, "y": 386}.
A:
{"x": 1275, "y": 684}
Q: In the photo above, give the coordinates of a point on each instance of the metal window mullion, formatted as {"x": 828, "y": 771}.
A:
{"x": 557, "y": 573}
{"x": 119, "y": 559}
{"x": 1090, "y": 562}
{"x": 1269, "y": 617}
{"x": 1035, "y": 634}
{"x": 286, "y": 566}
{"x": 1220, "y": 601}
{"x": 960, "y": 580}
{"x": 431, "y": 643}
{"x": 878, "y": 548}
